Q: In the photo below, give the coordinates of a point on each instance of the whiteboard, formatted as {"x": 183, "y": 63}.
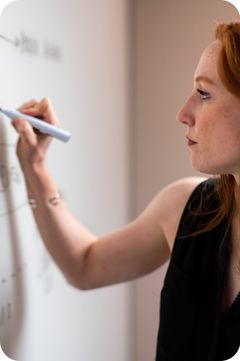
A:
{"x": 74, "y": 52}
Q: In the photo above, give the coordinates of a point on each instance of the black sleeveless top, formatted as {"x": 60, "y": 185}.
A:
{"x": 192, "y": 326}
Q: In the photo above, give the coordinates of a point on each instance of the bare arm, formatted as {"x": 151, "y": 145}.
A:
{"x": 86, "y": 261}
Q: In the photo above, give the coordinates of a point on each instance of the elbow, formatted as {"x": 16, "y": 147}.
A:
{"x": 81, "y": 286}
{"x": 77, "y": 281}
{"x": 78, "y": 275}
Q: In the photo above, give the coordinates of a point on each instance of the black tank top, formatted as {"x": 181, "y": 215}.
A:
{"x": 192, "y": 326}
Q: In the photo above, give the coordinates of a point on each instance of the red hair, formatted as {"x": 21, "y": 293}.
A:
{"x": 229, "y": 57}
{"x": 229, "y": 73}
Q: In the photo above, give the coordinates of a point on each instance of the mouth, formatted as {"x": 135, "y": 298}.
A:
{"x": 190, "y": 141}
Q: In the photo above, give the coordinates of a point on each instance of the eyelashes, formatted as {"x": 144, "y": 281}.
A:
{"x": 204, "y": 95}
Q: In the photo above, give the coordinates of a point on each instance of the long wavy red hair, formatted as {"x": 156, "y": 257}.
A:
{"x": 229, "y": 72}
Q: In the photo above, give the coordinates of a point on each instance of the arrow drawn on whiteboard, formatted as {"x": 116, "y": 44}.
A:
{"x": 9, "y": 41}
{"x": 235, "y": 3}
{"x": 4, "y": 357}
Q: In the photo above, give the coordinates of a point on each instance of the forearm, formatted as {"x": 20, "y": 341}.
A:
{"x": 87, "y": 263}
{"x": 66, "y": 239}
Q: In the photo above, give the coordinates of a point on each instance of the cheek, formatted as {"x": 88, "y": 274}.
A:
{"x": 217, "y": 129}
{"x": 222, "y": 130}
{"x": 221, "y": 121}
{"x": 231, "y": 124}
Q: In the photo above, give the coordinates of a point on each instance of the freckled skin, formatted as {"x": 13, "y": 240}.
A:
{"x": 214, "y": 123}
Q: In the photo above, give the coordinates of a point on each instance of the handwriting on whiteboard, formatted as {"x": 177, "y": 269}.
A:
{"x": 34, "y": 47}
{"x": 8, "y": 175}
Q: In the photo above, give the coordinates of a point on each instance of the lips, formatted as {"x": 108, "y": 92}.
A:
{"x": 191, "y": 141}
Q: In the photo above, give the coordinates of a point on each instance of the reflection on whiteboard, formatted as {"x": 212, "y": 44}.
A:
{"x": 60, "y": 49}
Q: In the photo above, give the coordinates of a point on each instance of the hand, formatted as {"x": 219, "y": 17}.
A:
{"x": 32, "y": 145}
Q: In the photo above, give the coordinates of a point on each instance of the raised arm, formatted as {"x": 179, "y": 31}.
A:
{"x": 87, "y": 261}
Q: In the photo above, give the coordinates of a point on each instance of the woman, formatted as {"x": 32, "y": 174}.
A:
{"x": 193, "y": 221}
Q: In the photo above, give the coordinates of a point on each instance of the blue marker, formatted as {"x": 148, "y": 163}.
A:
{"x": 41, "y": 125}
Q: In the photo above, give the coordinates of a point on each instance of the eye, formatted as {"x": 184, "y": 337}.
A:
{"x": 204, "y": 95}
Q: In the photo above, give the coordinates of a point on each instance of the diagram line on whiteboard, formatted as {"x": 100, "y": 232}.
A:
{"x": 14, "y": 42}
{"x": 12, "y": 210}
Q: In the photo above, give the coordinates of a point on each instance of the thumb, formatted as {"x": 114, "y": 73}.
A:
{"x": 25, "y": 131}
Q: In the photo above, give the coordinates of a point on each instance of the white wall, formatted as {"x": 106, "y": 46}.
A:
{"x": 43, "y": 318}
{"x": 170, "y": 36}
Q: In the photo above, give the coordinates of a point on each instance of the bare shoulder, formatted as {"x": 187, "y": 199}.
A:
{"x": 167, "y": 207}
{"x": 174, "y": 198}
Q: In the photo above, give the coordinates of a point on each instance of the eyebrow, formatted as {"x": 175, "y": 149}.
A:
{"x": 204, "y": 79}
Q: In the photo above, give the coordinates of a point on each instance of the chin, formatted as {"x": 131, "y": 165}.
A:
{"x": 210, "y": 169}
{"x": 206, "y": 166}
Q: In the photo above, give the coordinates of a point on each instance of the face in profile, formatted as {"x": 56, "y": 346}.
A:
{"x": 212, "y": 117}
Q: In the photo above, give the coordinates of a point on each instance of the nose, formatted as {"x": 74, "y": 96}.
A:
{"x": 185, "y": 114}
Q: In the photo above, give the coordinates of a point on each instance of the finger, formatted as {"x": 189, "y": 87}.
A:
{"x": 28, "y": 104}
{"x": 35, "y": 130}
{"x": 48, "y": 112}
{"x": 25, "y": 131}
{"x": 13, "y": 124}
{"x": 43, "y": 110}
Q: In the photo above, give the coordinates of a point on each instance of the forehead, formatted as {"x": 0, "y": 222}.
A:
{"x": 207, "y": 65}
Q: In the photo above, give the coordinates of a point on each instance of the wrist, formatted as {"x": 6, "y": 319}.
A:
{"x": 33, "y": 169}
{"x": 39, "y": 184}
{"x": 54, "y": 200}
